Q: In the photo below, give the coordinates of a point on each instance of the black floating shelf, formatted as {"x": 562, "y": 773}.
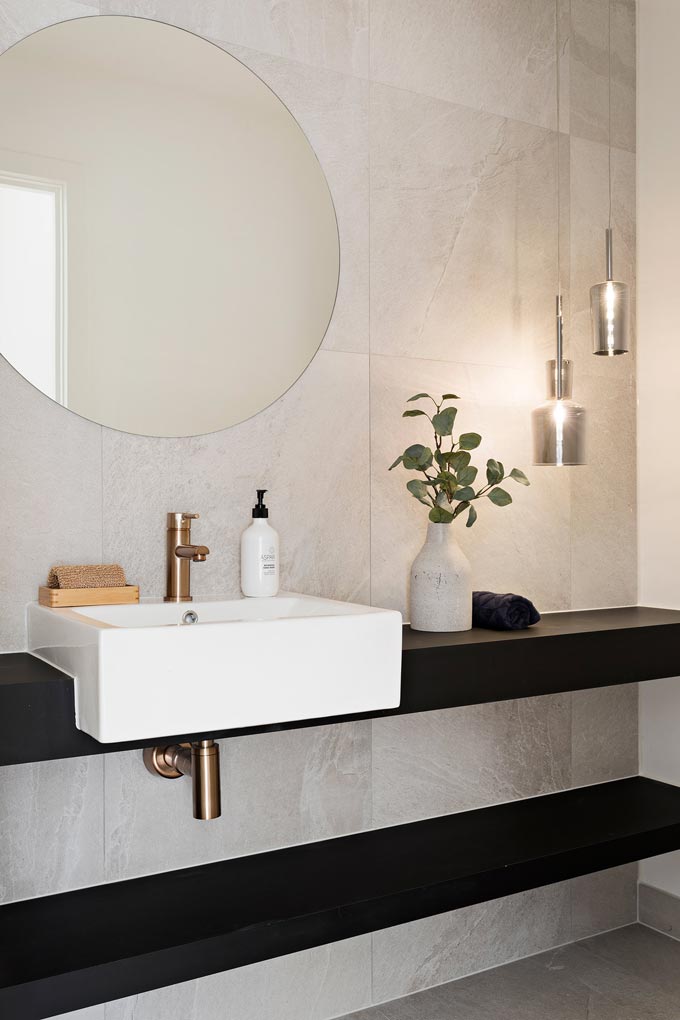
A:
{"x": 76, "y": 949}
{"x": 564, "y": 652}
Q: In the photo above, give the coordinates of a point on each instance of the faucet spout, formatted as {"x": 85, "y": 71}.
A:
{"x": 195, "y": 553}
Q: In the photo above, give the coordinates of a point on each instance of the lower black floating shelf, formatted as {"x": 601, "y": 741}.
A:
{"x": 76, "y": 949}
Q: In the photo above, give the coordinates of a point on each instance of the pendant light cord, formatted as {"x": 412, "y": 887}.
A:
{"x": 558, "y": 161}
{"x": 609, "y": 112}
{"x": 558, "y": 309}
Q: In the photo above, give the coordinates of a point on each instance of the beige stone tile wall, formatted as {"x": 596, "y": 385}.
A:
{"x": 435, "y": 123}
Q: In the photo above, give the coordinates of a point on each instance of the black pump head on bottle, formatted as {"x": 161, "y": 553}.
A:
{"x": 260, "y": 510}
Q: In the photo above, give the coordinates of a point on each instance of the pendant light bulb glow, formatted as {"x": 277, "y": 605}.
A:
{"x": 559, "y": 425}
{"x": 610, "y": 311}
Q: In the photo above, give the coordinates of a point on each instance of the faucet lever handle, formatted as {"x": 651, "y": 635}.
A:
{"x": 178, "y": 520}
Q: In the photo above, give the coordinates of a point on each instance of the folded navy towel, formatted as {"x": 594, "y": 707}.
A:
{"x": 502, "y": 612}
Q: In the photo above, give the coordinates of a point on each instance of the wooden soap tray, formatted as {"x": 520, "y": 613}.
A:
{"x": 63, "y": 598}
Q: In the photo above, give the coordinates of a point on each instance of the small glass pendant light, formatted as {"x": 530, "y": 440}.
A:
{"x": 610, "y": 301}
{"x": 559, "y": 425}
{"x": 610, "y": 311}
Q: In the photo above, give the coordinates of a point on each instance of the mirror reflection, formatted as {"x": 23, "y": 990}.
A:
{"x": 168, "y": 245}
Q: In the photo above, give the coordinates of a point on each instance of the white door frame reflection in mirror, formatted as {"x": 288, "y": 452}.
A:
{"x": 33, "y": 261}
{"x": 203, "y": 250}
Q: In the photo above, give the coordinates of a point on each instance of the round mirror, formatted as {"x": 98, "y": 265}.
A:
{"x": 168, "y": 244}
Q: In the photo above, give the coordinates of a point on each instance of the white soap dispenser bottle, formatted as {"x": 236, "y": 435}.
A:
{"x": 260, "y": 554}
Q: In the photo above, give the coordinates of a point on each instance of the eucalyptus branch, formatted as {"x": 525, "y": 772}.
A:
{"x": 455, "y": 474}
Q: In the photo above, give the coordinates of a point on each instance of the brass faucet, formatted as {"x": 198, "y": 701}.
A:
{"x": 180, "y": 554}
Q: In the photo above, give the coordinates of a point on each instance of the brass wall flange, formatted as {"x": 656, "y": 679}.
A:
{"x": 201, "y": 761}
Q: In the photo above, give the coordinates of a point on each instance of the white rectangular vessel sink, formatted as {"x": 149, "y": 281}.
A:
{"x": 145, "y": 671}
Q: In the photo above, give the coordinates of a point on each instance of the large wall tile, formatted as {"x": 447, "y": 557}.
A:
{"x": 589, "y": 74}
{"x": 603, "y": 539}
{"x": 50, "y": 496}
{"x": 51, "y": 827}
{"x": 485, "y": 54}
{"x": 19, "y": 19}
{"x": 438, "y": 949}
{"x": 175, "y": 1002}
{"x": 91, "y": 1013}
{"x": 508, "y": 548}
{"x": 313, "y": 985}
{"x": 603, "y": 900}
{"x": 659, "y": 909}
{"x": 309, "y": 449}
{"x": 333, "y": 112}
{"x": 324, "y": 33}
{"x": 624, "y": 32}
{"x": 435, "y": 763}
{"x": 604, "y": 734}
{"x": 463, "y": 232}
{"x": 277, "y": 789}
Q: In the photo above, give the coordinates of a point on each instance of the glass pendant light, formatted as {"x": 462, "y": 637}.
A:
{"x": 610, "y": 301}
{"x": 559, "y": 425}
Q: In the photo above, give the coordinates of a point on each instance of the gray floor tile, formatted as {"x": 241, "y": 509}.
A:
{"x": 629, "y": 974}
{"x": 644, "y": 956}
{"x": 375, "y": 1013}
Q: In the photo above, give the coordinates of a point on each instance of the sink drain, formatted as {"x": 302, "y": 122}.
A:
{"x": 190, "y": 617}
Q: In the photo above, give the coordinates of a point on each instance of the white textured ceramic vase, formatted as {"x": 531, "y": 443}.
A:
{"x": 441, "y": 583}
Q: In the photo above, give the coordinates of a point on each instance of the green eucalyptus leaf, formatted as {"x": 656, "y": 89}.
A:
{"x": 415, "y": 451}
{"x": 500, "y": 497}
{"x": 472, "y": 517}
{"x": 420, "y": 396}
{"x": 413, "y": 414}
{"x": 417, "y": 457}
{"x": 469, "y": 441}
{"x": 397, "y": 461}
{"x": 438, "y": 515}
{"x": 467, "y": 492}
{"x": 519, "y": 476}
{"x": 467, "y": 475}
{"x": 443, "y": 421}
{"x": 419, "y": 490}
{"x": 494, "y": 472}
{"x": 458, "y": 460}
{"x": 450, "y": 396}
{"x": 461, "y": 508}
